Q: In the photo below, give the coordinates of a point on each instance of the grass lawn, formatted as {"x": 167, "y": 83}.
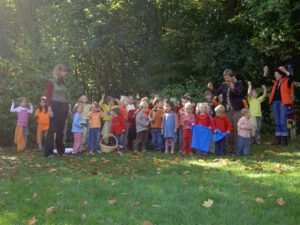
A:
{"x": 158, "y": 188}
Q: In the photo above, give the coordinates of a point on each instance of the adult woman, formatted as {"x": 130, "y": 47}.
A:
{"x": 232, "y": 93}
{"x": 56, "y": 93}
{"x": 280, "y": 98}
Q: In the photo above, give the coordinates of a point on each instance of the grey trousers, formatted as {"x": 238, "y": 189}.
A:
{"x": 233, "y": 117}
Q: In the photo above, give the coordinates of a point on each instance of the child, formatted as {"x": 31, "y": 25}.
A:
{"x": 131, "y": 124}
{"x": 169, "y": 126}
{"x": 142, "y": 127}
{"x": 255, "y": 110}
{"x": 203, "y": 111}
{"x": 118, "y": 128}
{"x": 221, "y": 124}
{"x": 202, "y": 115}
{"x": 244, "y": 133}
{"x": 21, "y": 131}
{"x": 95, "y": 127}
{"x": 77, "y": 129}
{"x": 209, "y": 101}
{"x": 43, "y": 121}
{"x": 107, "y": 107}
{"x": 87, "y": 108}
{"x": 184, "y": 99}
{"x": 155, "y": 117}
{"x": 188, "y": 120}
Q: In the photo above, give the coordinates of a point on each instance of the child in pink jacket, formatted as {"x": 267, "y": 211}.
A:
{"x": 244, "y": 133}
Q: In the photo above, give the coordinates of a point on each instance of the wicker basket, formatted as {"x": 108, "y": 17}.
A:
{"x": 107, "y": 148}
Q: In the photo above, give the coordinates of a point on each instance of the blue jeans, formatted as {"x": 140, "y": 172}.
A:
{"x": 280, "y": 116}
{"x": 87, "y": 139}
{"x": 220, "y": 147}
{"x": 121, "y": 141}
{"x": 243, "y": 146}
{"x": 157, "y": 138}
{"x": 94, "y": 134}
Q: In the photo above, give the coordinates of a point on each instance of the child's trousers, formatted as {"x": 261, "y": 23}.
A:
{"x": 243, "y": 146}
{"x": 157, "y": 138}
{"x": 220, "y": 147}
{"x": 77, "y": 147}
{"x": 187, "y": 141}
{"x": 20, "y": 138}
{"x": 141, "y": 140}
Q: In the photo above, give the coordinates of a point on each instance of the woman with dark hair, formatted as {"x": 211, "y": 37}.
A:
{"x": 56, "y": 94}
{"x": 232, "y": 93}
{"x": 281, "y": 98}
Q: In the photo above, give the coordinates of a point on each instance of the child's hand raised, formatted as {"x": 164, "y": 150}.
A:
{"x": 13, "y": 101}
{"x": 266, "y": 71}
{"x": 210, "y": 86}
{"x": 249, "y": 83}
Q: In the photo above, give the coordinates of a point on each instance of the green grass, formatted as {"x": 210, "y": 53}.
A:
{"x": 162, "y": 189}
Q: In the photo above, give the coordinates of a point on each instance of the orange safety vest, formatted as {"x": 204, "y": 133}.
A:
{"x": 285, "y": 92}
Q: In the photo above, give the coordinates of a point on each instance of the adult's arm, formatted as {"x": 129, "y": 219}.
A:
{"x": 49, "y": 90}
{"x": 217, "y": 91}
{"x": 237, "y": 89}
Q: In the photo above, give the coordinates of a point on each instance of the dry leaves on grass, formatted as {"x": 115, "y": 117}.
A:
{"x": 280, "y": 201}
{"x": 51, "y": 209}
{"x": 208, "y": 203}
{"x": 32, "y": 221}
{"x": 112, "y": 201}
{"x": 147, "y": 223}
{"x": 52, "y": 170}
{"x": 155, "y": 206}
{"x": 259, "y": 200}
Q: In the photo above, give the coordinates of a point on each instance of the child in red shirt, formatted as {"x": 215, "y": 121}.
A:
{"x": 188, "y": 120}
{"x": 203, "y": 119}
{"x": 202, "y": 116}
{"x": 221, "y": 124}
{"x": 118, "y": 128}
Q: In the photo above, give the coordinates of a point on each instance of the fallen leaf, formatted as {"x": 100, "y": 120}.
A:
{"x": 32, "y": 221}
{"x": 34, "y": 195}
{"x": 242, "y": 202}
{"x": 83, "y": 217}
{"x": 52, "y": 170}
{"x": 136, "y": 204}
{"x": 112, "y": 201}
{"x": 147, "y": 223}
{"x": 269, "y": 195}
{"x": 280, "y": 201}
{"x": 208, "y": 203}
{"x": 259, "y": 200}
{"x": 156, "y": 206}
{"x": 120, "y": 153}
{"x": 51, "y": 209}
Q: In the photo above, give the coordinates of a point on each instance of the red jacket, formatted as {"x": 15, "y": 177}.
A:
{"x": 118, "y": 125}
{"x": 203, "y": 120}
{"x": 222, "y": 123}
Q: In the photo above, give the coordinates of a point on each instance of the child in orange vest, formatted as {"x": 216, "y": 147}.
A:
{"x": 43, "y": 121}
{"x": 156, "y": 116}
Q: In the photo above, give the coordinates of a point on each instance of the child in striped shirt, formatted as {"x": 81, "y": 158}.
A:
{"x": 21, "y": 131}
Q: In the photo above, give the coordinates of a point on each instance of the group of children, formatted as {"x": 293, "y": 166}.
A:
{"x": 134, "y": 122}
